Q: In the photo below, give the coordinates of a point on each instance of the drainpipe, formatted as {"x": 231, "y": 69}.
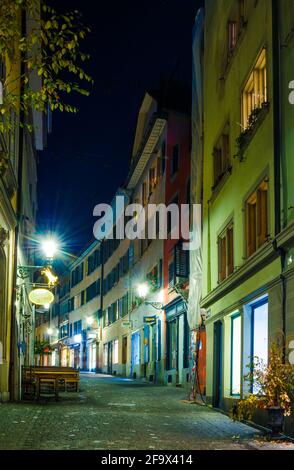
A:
{"x": 276, "y": 113}
{"x": 277, "y": 133}
{"x": 101, "y": 295}
{"x": 14, "y": 333}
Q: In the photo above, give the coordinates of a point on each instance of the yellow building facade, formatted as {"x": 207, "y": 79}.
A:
{"x": 242, "y": 266}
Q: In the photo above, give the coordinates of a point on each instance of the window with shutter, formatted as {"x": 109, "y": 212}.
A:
{"x": 221, "y": 155}
{"x": 226, "y": 253}
{"x": 257, "y": 218}
{"x": 255, "y": 91}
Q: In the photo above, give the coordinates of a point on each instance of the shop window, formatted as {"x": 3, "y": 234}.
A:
{"x": 257, "y": 218}
{"x": 115, "y": 351}
{"x": 226, "y": 253}
{"x": 105, "y": 355}
{"x": 254, "y": 94}
{"x": 260, "y": 334}
{"x": 236, "y": 354}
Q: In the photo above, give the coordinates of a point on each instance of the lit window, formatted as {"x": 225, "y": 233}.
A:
{"x": 236, "y": 355}
{"x": 152, "y": 180}
{"x": 226, "y": 253}
{"x": 255, "y": 91}
{"x": 105, "y": 355}
{"x": 257, "y": 218}
{"x": 233, "y": 35}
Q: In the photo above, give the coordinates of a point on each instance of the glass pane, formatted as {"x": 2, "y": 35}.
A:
{"x": 260, "y": 339}
{"x": 260, "y": 345}
{"x": 236, "y": 355}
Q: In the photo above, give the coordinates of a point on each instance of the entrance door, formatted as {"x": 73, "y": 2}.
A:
{"x": 172, "y": 344}
{"x": 135, "y": 359}
{"x": 217, "y": 364}
{"x": 76, "y": 358}
{"x": 124, "y": 349}
{"x": 109, "y": 358}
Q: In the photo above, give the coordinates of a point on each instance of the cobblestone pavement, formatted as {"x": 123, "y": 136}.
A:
{"x": 111, "y": 413}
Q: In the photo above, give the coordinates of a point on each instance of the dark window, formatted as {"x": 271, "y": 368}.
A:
{"x": 175, "y": 160}
{"x": 257, "y": 218}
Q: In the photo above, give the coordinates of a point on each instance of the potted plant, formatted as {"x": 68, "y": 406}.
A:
{"x": 273, "y": 386}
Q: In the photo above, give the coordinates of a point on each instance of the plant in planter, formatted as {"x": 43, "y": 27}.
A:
{"x": 274, "y": 386}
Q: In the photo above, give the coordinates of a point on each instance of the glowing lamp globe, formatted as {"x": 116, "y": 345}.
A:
{"x": 142, "y": 290}
{"x": 41, "y": 296}
{"x": 49, "y": 248}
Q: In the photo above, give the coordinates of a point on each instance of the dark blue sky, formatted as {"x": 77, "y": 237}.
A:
{"x": 133, "y": 46}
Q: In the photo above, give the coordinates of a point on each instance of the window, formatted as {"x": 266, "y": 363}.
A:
{"x": 232, "y": 35}
{"x": 152, "y": 180}
{"x": 93, "y": 261}
{"x": 181, "y": 261}
{"x": 257, "y": 218}
{"x": 235, "y": 26}
{"x": 171, "y": 273}
{"x": 77, "y": 301}
{"x": 77, "y": 274}
{"x": 255, "y": 91}
{"x": 221, "y": 155}
{"x": 226, "y": 253}
{"x": 144, "y": 194}
{"x": 77, "y": 327}
{"x": 93, "y": 290}
{"x": 115, "y": 351}
{"x": 163, "y": 156}
{"x": 236, "y": 354}
{"x": 175, "y": 160}
{"x": 260, "y": 333}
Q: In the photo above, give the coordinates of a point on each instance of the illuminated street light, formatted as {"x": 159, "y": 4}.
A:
{"x": 142, "y": 290}
{"x": 90, "y": 321}
{"x": 49, "y": 247}
{"x": 46, "y": 306}
{"x": 50, "y": 331}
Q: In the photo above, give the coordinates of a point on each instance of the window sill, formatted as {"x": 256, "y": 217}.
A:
{"x": 246, "y": 137}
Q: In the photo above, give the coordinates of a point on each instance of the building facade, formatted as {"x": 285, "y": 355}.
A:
{"x": 246, "y": 215}
{"x": 111, "y": 303}
{"x": 18, "y": 206}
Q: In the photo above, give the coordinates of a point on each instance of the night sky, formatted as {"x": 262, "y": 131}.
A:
{"x": 134, "y": 45}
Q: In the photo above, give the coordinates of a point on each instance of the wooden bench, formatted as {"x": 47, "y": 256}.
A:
{"x": 38, "y": 380}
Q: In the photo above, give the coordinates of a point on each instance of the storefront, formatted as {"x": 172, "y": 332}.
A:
{"x": 91, "y": 355}
{"x": 177, "y": 342}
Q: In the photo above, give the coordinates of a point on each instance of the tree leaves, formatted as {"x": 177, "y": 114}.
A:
{"x": 51, "y": 50}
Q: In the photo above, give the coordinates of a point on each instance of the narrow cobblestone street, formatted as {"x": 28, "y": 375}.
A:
{"x": 112, "y": 413}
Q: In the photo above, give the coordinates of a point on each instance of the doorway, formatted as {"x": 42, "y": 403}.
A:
{"x": 109, "y": 358}
{"x": 217, "y": 364}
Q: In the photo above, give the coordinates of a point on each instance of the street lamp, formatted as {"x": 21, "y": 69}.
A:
{"x": 50, "y": 331}
{"x": 49, "y": 247}
{"x": 142, "y": 290}
{"x": 90, "y": 321}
